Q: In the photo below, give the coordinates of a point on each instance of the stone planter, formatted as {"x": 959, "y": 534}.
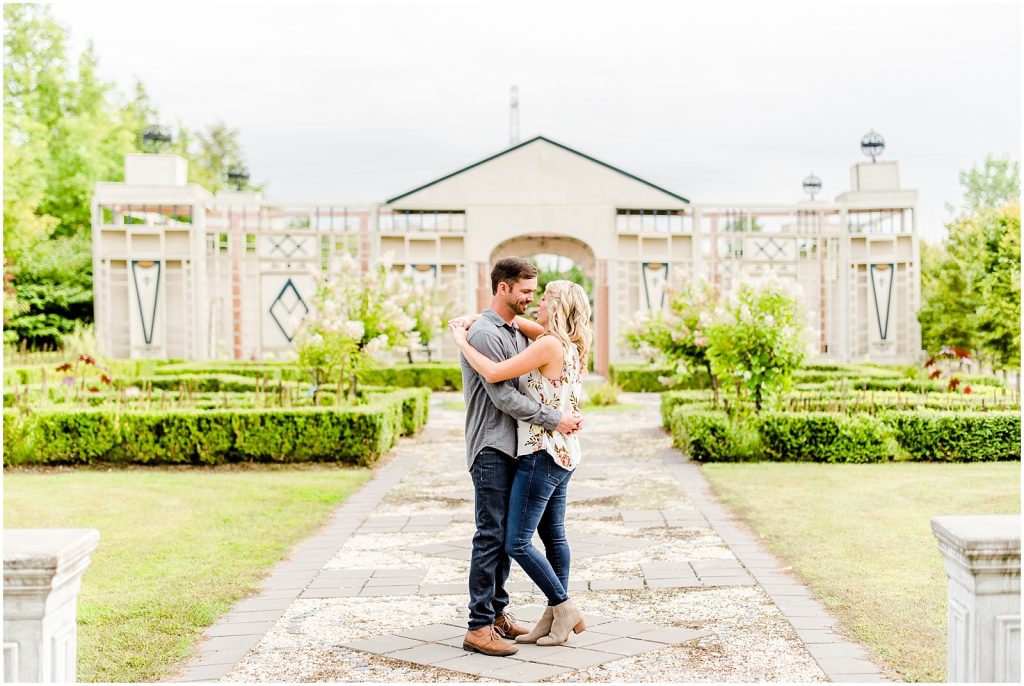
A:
{"x": 982, "y": 559}
{"x": 42, "y": 574}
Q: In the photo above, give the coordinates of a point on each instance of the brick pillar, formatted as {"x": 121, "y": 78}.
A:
{"x": 235, "y": 247}
{"x": 483, "y": 287}
{"x": 715, "y": 278}
{"x": 364, "y": 241}
{"x": 602, "y": 342}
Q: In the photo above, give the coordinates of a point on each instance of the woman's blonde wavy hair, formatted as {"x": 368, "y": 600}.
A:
{"x": 569, "y": 316}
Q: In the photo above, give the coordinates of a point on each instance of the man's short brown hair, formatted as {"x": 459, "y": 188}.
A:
{"x": 510, "y": 270}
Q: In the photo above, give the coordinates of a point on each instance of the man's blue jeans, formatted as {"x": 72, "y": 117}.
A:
{"x": 538, "y": 504}
{"x": 493, "y": 473}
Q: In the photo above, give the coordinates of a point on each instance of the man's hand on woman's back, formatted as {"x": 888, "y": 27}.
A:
{"x": 570, "y": 423}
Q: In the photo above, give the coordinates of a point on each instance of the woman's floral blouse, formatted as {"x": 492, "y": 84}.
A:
{"x": 563, "y": 395}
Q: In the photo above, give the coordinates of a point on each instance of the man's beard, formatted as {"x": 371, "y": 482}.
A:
{"x": 516, "y": 305}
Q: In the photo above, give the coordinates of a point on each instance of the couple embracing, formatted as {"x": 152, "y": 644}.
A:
{"x": 522, "y": 384}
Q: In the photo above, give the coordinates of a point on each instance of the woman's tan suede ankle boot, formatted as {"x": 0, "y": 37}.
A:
{"x": 567, "y": 618}
{"x": 543, "y": 627}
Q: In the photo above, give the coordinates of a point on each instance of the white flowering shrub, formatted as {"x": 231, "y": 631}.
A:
{"x": 429, "y": 307}
{"x": 677, "y": 336}
{"x": 758, "y": 339}
{"x": 357, "y": 316}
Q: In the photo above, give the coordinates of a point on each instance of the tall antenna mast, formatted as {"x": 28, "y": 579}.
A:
{"x": 513, "y": 117}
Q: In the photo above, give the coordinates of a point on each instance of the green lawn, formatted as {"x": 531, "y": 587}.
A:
{"x": 859, "y": 536}
{"x": 177, "y": 548}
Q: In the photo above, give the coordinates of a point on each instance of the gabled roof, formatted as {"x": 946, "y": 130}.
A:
{"x": 525, "y": 143}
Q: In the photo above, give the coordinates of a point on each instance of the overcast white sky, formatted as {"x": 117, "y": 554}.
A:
{"x": 716, "y": 101}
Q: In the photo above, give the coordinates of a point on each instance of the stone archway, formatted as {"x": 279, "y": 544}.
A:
{"x": 575, "y": 249}
{"x": 580, "y": 253}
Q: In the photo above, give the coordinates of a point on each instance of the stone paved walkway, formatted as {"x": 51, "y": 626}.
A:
{"x": 674, "y": 588}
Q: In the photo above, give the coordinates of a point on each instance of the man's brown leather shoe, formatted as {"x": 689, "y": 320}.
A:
{"x": 508, "y": 626}
{"x": 488, "y": 640}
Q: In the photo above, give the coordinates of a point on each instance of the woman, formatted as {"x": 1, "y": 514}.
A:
{"x": 551, "y": 367}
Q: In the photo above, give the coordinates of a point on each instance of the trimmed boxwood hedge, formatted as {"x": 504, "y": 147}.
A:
{"x": 824, "y": 437}
{"x": 641, "y": 377}
{"x": 980, "y": 380}
{"x": 199, "y": 383}
{"x": 670, "y": 400}
{"x": 351, "y": 435}
{"x": 244, "y": 375}
{"x": 644, "y": 378}
{"x": 437, "y": 376}
{"x": 712, "y": 436}
{"x": 637, "y": 378}
{"x": 957, "y": 436}
{"x": 868, "y": 383}
{"x": 173, "y": 399}
{"x": 433, "y": 375}
{"x": 276, "y": 372}
{"x": 196, "y": 383}
{"x": 23, "y": 375}
{"x": 415, "y": 405}
{"x": 210, "y": 400}
{"x": 875, "y": 403}
{"x": 820, "y": 375}
{"x": 858, "y": 403}
{"x": 355, "y": 436}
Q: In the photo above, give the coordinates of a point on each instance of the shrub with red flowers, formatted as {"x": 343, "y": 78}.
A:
{"x": 946, "y": 363}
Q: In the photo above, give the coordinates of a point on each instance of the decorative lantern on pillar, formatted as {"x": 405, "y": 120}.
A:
{"x": 238, "y": 175}
{"x": 812, "y": 185}
{"x": 155, "y": 138}
{"x": 872, "y": 145}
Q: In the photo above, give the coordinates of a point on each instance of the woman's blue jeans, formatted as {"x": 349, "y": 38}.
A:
{"x": 537, "y": 504}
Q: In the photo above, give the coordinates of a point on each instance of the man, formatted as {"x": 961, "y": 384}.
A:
{"x": 491, "y": 414}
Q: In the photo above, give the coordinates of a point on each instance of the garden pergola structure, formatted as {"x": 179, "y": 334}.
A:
{"x": 182, "y": 273}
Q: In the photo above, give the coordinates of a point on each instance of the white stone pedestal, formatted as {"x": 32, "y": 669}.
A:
{"x": 42, "y": 574}
{"x": 982, "y": 559}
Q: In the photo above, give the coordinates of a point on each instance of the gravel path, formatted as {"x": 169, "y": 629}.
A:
{"x": 628, "y": 517}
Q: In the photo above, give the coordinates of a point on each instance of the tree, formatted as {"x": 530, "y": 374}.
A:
{"x": 211, "y": 153}
{"x": 59, "y": 134}
{"x": 34, "y": 59}
{"x": 946, "y": 299}
{"x": 54, "y": 290}
{"x": 64, "y": 130}
{"x": 970, "y": 286}
{"x": 24, "y": 153}
{"x": 997, "y": 319}
{"x": 996, "y": 183}
{"x": 573, "y": 273}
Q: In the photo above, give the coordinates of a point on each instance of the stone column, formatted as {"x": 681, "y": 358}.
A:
{"x": 42, "y": 574}
{"x": 982, "y": 559}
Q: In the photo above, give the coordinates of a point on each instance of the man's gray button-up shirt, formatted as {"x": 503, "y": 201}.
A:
{"x": 492, "y": 409}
